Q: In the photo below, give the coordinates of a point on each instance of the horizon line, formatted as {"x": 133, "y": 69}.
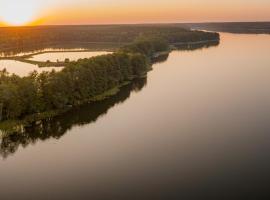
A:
{"x": 146, "y": 23}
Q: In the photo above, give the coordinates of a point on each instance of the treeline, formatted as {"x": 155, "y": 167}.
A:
{"x": 82, "y": 81}
{"x": 76, "y": 84}
{"x": 14, "y": 38}
{"x": 58, "y": 126}
{"x": 234, "y": 27}
{"x": 19, "y": 37}
{"x": 147, "y": 45}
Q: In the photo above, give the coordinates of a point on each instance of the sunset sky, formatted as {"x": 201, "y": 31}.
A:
{"x": 41, "y": 12}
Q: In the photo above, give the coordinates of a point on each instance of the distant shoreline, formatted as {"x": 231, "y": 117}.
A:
{"x": 233, "y": 27}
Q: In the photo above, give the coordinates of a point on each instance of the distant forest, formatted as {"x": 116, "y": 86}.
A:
{"x": 22, "y": 38}
{"x": 234, "y": 27}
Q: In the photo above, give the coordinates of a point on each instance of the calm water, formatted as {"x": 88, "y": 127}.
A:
{"x": 196, "y": 128}
{"x": 23, "y": 69}
{"x": 25, "y": 52}
{"x": 61, "y": 56}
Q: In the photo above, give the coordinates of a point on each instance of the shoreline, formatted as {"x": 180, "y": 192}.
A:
{"x": 25, "y": 58}
{"x": 18, "y": 126}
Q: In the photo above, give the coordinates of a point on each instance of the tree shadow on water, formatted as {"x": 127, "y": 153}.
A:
{"x": 58, "y": 126}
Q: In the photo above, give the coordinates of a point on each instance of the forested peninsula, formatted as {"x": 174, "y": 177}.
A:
{"x": 27, "y": 100}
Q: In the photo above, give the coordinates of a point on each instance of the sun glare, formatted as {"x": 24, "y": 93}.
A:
{"x": 17, "y": 12}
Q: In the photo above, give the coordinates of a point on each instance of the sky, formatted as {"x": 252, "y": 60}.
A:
{"x": 52, "y": 12}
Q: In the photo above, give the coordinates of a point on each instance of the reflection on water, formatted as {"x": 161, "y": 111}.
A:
{"x": 58, "y": 126}
{"x": 61, "y": 56}
{"x": 199, "y": 45}
{"x": 23, "y": 69}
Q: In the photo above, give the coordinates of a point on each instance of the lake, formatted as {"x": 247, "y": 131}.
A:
{"x": 23, "y": 69}
{"x": 196, "y": 128}
{"x": 26, "y": 52}
{"x": 61, "y": 56}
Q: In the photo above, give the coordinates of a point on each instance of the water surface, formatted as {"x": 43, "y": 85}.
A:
{"x": 26, "y": 52}
{"x": 61, "y": 56}
{"x": 197, "y": 128}
{"x": 23, "y": 69}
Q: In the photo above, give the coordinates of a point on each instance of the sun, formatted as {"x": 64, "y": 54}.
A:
{"x": 17, "y": 12}
{"x": 17, "y": 20}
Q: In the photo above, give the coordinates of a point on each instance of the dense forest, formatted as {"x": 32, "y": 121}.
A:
{"x": 24, "y": 38}
{"x": 57, "y": 127}
{"x": 44, "y": 95}
{"x": 80, "y": 82}
{"x": 76, "y": 84}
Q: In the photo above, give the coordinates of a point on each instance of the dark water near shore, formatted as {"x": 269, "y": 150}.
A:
{"x": 196, "y": 128}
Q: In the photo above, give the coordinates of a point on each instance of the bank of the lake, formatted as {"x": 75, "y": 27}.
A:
{"x": 18, "y": 125}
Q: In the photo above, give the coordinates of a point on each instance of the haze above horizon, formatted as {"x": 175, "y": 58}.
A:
{"x": 68, "y": 12}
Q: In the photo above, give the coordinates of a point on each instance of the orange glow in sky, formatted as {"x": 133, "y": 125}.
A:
{"x": 34, "y": 12}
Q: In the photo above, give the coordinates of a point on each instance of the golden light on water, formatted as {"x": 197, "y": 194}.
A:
{"x": 16, "y": 13}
